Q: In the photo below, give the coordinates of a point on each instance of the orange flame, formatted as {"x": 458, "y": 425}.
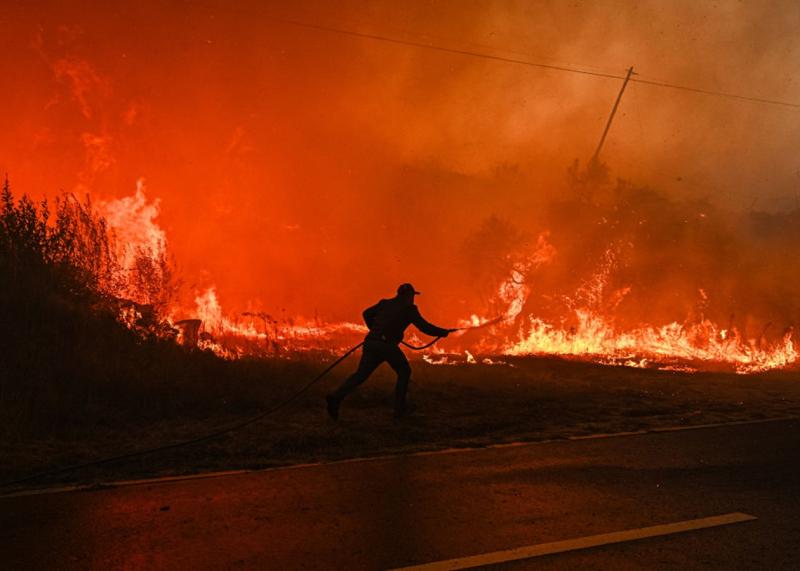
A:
{"x": 133, "y": 219}
{"x": 673, "y": 346}
{"x": 704, "y": 341}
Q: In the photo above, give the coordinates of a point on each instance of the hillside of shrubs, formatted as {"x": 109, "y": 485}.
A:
{"x": 75, "y": 350}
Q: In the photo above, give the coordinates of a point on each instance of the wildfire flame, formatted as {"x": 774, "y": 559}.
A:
{"x": 133, "y": 219}
{"x": 595, "y": 337}
{"x": 672, "y": 346}
{"x": 259, "y": 332}
{"x": 704, "y": 341}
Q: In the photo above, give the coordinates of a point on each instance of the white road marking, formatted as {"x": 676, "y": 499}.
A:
{"x": 223, "y": 473}
{"x": 530, "y": 551}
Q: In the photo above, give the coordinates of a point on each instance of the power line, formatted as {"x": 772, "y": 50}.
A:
{"x": 482, "y": 55}
{"x": 434, "y": 47}
{"x": 718, "y": 93}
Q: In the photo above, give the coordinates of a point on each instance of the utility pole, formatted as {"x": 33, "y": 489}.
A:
{"x": 596, "y": 154}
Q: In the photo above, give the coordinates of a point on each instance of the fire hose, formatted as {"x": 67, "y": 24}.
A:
{"x": 216, "y": 433}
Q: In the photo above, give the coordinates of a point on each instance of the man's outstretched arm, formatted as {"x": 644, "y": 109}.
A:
{"x": 426, "y": 327}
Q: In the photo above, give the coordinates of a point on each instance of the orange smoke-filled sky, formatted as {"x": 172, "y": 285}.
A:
{"x": 313, "y": 171}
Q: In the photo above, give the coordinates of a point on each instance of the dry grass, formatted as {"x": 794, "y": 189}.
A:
{"x": 457, "y": 406}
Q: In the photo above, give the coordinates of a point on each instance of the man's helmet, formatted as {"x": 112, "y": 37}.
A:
{"x": 406, "y": 289}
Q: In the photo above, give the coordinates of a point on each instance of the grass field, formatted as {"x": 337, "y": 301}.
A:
{"x": 457, "y": 406}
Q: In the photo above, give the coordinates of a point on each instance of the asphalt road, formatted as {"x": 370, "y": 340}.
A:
{"x": 410, "y": 510}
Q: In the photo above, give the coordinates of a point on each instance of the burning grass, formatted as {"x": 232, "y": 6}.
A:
{"x": 624, "y": 275}
{"x": 587, "y": 288}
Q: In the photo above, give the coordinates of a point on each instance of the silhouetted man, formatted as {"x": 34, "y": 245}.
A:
{"x": 387, "y": 321}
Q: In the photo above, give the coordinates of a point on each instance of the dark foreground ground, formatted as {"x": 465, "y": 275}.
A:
{"x": 408, "y": 510}
{"x": 458, "y": 406}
